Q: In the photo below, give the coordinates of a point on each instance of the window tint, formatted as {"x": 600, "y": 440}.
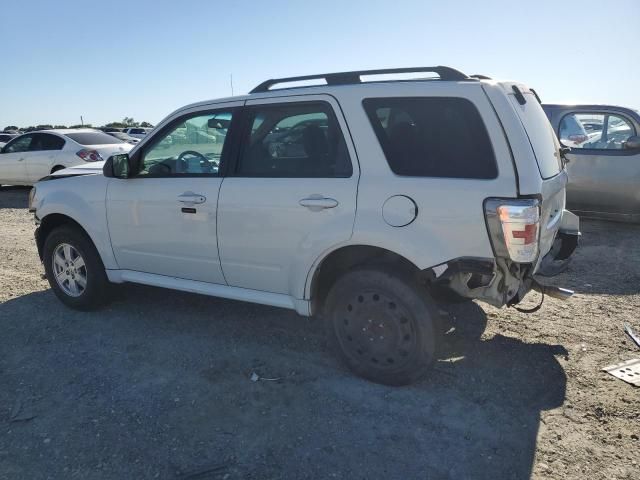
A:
{"x": 138, "y": 131}
{"x": 595, "y": 131}
{"x": 192, "y": 147}
{"x": 432, "y": 137}
{"x": 20, "y": 144}
{"x": 93, "y": 138}
{"x": 294, "y": 140}
{"x": 5, "y": 138}
{"x": 45, "y": 141}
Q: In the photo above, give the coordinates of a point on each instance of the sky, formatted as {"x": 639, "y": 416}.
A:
{"x": 106, "y": 60}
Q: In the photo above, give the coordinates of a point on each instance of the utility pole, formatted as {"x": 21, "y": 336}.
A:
{"x": 81, "y": 121}
{"x": 231, "y": 77}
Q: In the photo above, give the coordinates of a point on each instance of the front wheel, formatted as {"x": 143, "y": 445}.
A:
{"x": 74, "y": 269}
{"x": 383, "y": 325}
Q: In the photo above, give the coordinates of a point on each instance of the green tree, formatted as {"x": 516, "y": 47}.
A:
{"x": 146, "y": 125}
{"x": 130, "y": 122}
{"x": 11, "y": 127}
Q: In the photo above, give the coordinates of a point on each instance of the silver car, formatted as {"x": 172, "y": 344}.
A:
{"x": 604, "y": 161}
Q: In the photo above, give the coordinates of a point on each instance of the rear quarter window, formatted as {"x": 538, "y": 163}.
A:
{"x": 93, "y": 138}
{"x": 432, "y": 137}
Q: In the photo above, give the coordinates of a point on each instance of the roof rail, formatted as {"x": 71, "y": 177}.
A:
{"x": 345, "y": 78}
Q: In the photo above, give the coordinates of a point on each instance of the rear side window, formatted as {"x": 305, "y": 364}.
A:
{"x": 93, "y": 138}
{"x": 298, "y": 140}
{"x": 138, "y": 131}
{"x": 45, "y": 141}
{"x": 432, "y": 137}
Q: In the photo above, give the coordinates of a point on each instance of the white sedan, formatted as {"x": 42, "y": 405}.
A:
{"x": 32, "y": 156}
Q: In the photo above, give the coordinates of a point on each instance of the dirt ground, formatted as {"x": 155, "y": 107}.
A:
{"x": 157, "y": 384}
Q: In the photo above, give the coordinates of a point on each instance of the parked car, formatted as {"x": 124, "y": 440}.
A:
{"x": 604, "y": 168}
{"x": 29, "y": 157}
{"x": 137, "y": 132}
{"x": 405, "y": 190}
{"x": 5, "y": 137}
{"x": 124, "y": 137}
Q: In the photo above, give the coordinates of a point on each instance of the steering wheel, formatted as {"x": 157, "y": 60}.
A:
{"x": 192, "y": 153}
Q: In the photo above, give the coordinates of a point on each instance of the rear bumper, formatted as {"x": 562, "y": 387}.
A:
{"x": 499, "y": 281}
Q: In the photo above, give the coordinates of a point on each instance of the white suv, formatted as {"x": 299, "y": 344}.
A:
{"x": 354, "y": 201}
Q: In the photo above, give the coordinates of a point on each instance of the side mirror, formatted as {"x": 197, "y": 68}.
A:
{"x": 117, "y": 166}
{"x": 632, "y": 143}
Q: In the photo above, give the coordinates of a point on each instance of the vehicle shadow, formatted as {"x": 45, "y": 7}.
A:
{"x": 607, "y": 260}
{"x": 14, "y": 197}
{"x": 159, "y": 383}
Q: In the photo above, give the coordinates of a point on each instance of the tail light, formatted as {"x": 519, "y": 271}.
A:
{"x": 89, "y": 155}
{"x": 514, "y": 226}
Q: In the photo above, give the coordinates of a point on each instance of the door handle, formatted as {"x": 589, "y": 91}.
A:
{"x": 315, "y": 203}
{"x": 192, "y": 198}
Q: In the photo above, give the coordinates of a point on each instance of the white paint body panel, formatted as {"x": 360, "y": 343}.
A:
{"x": 252, "y": 240}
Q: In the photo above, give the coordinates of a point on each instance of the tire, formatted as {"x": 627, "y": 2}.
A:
{"x": 383, "y": 325}
{"x": 67, "y": 244}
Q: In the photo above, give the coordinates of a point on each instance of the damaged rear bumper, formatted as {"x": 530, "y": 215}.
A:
{"x": 500, "y": 281}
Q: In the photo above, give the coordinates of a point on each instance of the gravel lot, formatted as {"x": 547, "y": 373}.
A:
{"x": 157, "y": 384}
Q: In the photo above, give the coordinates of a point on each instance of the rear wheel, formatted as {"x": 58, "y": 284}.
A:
{"x": 383, "y": 325}
{"x": 74, "y": 269}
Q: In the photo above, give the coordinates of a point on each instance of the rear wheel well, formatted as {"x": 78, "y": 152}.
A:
{"x": 346, "y": 258}
{"x": 57, "y": 167}
{"x": 49, "y": 223}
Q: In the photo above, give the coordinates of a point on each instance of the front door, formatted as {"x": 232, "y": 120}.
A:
{"x": 12, "y": 161}
{"x": 163, "y": 219}
{"x": 603, "y": 174}
{"x": 290, "y": 196}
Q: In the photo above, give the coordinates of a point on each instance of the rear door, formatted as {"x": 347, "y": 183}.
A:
{"x": 291, "y": 194}
{"x": 604, "y": 175}
{"x": 12, "y": 167}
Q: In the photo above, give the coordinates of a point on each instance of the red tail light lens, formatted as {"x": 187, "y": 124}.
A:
{"x": 89, "y": 155}
{"x": 578, "y": 138}
{"x": 521, "y": 229}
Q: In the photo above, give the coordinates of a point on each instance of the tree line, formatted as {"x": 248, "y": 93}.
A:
{"x": 125, "y": 123}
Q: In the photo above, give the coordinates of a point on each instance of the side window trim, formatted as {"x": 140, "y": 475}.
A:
{"x": 158, "y": 136}
{"x": 244, "y": 127}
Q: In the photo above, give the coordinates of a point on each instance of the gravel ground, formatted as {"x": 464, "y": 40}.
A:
{"x": 157, "y": 384}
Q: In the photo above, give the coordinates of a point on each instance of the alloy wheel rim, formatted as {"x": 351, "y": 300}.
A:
{"x": 69, "y": 270}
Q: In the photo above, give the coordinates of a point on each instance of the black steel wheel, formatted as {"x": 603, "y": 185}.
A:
{"x": 383, "y": 325}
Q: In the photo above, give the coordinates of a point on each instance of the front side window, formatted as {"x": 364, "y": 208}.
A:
{"x": 191, "y": 147}
{"x": 432, "y": 137}
{"x": 595, "y": 131}
{"x": 297, "y": 140}
{"x": 20, "y": 144}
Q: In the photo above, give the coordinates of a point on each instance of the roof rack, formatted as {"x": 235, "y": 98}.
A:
{"x": 345, "y": 78}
